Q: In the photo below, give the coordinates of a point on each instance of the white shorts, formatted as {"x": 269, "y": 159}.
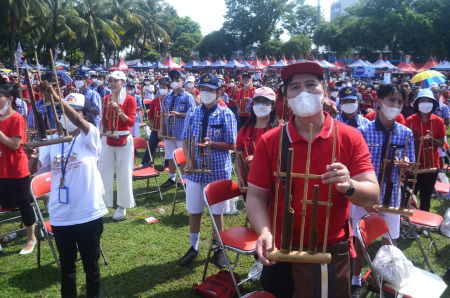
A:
{"x": 392, "y": 220}
{"x": 195, "y": 204}
{"x": 170, "y": 146}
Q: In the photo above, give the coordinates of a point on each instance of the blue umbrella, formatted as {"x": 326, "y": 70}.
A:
{"x": 64, "y": 76}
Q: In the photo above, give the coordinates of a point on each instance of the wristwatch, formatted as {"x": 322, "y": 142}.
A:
{"x": 121, "y": 112}
{"x": 350, "y": 191}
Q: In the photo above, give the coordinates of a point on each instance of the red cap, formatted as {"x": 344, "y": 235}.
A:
{"x": 301, "y": 67}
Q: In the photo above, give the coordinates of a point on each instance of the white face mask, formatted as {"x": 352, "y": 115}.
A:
{"x": 261, "y": 110}
{"x": 94, "y": 80}
{"x": 349, "y": 108}
{"x": 79, "y": 84}
{"x": 246, "y": 84}
{"x": 4, "y": 109}
{"x": 163, "y": 91}
{"x": 207, "y": 97}
{"x": 130, "y": 80}
{"x": 375, "y": 86}
{"x": 425, "y": 107}
{"x": 443, "y": 88}
{"x": 369, "y": 88}
{"x": 231, "y": 84}
{"x": 306, "y": 104}
{"x": 390, "y": 113}
{"x": 131, "y": 92}
{"x": 190, "y": 85}
{"x": 70, "y": 126}
{"x": 100, "y": 82}
{"x": 147, "y": 82}
{"x": 175, "y": 85}
{"x": 343, "y": 85}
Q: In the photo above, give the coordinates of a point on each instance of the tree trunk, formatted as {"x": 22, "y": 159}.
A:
{"x": 12, "y": 41}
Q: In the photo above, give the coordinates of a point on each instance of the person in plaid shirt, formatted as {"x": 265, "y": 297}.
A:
{"x": 176, "y": 104}
{"x": 376, "y": 133}
{"x": 348, "y": 101}
{"x": 218, "y": 128}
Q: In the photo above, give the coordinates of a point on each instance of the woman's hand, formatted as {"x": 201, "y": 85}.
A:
{"x": 114, "y": 106}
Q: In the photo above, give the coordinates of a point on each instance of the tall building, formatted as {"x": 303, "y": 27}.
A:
{"x": 338, "y": 7}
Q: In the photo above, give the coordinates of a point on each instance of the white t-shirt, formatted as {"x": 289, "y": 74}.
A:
{"x": 149, "y": 92}
{"x": 82, "y": 178}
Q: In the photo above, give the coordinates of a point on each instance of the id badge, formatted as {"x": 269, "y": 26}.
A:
{"x": 63, "y": 195}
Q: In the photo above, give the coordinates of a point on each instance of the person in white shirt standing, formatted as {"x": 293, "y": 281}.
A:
{"x": 76, "y": 205}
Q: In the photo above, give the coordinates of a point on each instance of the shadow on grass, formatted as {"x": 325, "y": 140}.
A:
{"x": 145, "y": 278}
{"x": 36, "y": 279}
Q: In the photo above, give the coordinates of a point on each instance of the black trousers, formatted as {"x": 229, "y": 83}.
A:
{"x": 425, "y": 184}
{"x": 86, "y": 237}
{"x": 15, "y": 192}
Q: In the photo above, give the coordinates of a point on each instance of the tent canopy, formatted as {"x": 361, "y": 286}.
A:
{"x": 280, "y": 64}
{"x": 120, "y": 66}
{"x": 234, "y": 64}
{"x": 443, "y": 66}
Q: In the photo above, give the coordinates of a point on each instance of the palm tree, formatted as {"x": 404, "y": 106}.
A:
{"x": 157, "y": 24}
{"x": 17, "y": 13}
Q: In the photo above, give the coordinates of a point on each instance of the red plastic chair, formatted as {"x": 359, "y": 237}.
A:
{"x": 428, "y": 222}
{"x": 178, "y": 159}
{"x": 145, "y": 173}
{"x": 259, "y": 294}
{"x": 241, "y": 240}
{"x": 369, "y": 228}
{"x": 442, "y": 192}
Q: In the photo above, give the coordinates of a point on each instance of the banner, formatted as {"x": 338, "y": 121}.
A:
{"x": 177, "y": 60}
{"x": 408, "y": 58}
{"x": 387, "y": 77}
{"x": 56, "y": 53}
{"x": 364, "y": 71}
{"x": 19, "y": 54}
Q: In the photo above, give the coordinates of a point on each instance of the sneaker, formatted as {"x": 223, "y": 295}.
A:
{"x": 355, "y": 291}
{"x": 120, "y": 214}
{"x": 168, "y": 183}
{"x": 220, "y": 258}
{"x": 425, "y": 233}
{"x": 189, "y": 257}
{"x": 166, "y": 170}
{"x": 255, "y": 272}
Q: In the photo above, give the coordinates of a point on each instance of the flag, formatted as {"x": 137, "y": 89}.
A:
{"x": 19, "y": 54}
{"x": 56, "y": 53}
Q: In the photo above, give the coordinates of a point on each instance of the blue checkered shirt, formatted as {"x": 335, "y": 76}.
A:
{"x": 96, "y": 102}
{"x": 360, "y": 120}
{"x": 442, "y": 112}
{"x": 43, "y": 110}
{"x": 180, "y": 103}
{"x": 105, "y": 91}
{"x": 222, "y": 123}
{"x": 375, "y": 135}
{"x": 19, "y": 108}
{"x": 139, "y": 105}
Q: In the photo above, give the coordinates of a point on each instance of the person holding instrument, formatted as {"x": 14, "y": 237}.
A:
{"x": 352, "y": 175}
{"x": 378, "y": 134}
{"x": 432, "y": 128}
{"x": 119, "y": 151}
{"x": 14, "y": 173}
{"x": 76, "y": 206}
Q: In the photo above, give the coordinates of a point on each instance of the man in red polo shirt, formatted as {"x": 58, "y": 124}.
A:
{"x": 352, "y": 174}
{"x": 243, "y": 98}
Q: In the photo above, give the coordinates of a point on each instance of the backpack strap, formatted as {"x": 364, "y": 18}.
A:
{"x": 285, "y": 145}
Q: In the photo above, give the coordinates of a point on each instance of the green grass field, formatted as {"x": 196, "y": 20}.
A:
{"x": 144, "y": 259}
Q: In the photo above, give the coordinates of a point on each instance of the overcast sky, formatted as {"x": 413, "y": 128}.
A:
{"x": 211, "y": 17}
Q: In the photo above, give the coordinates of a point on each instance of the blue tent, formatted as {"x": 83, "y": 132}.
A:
{"x": 443, "y": 66}
{"x": 191, "y": 64}
{"x": 325, "y": 64}
{"x": 280, "y": 64}
{"x": 247, "y": 65}
{"x": 357, "y": 63}
{"x": 203, "y": 64}
{"x": 41, "y": 67}
{"x": 380, "y": 64}
{"x": 83, "y": 67}
{"x": 218, "y": 64}
{"x": 24, "y": 65}
{"x": 234, "y": 64}
{"x": 97, "y": 68}
{"x": 64, "y": 76}
{"x": 158, "y": 65}
{"x": 390, "y": 65}
{"x": 139, "y": 65}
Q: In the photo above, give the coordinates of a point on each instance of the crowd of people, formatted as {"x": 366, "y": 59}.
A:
{"x": 227, "y": 111}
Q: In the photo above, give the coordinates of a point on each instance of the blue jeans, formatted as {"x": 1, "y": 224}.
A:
{"x": 235, "y": 112}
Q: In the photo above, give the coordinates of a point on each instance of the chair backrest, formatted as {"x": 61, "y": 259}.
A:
{"x": 147, "y": 101}
{"x": 41, "y": 184}
{"x": 178, "y": 156}
{"x": 222, "y": 190}
{"x": 141, "y": 112}
{"x": 370, "y": 227}
{"x": 139, "y": 143}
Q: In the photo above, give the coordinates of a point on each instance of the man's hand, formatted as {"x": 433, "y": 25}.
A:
{"x": 339, "y": 175}
{"x": 31, "y": 152}
{"x": 264, "y": 244}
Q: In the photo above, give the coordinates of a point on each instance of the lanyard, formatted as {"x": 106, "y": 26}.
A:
{"x": 64, "y": 164}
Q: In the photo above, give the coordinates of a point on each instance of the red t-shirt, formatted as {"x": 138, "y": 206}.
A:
{"x": 351, "y": 150}
{"x": 249, "y": 139}
{"x": 129, "y": 107}
{"x": 414, "y": 123}
{"x": 243, "y": 99}
{"x": 366, "y": 99}
{"x": 155, "y": 106}
{"x": 232, "y": 95}
{"x": 399, "y": 118}
{"x": 13, "y": 163}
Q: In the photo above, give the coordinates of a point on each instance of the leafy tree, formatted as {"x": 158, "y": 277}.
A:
{"x": 185, "y": 25}
{"x": 272, "y": 47}
{"x": 216, "y": 44}
{"x": 297, "y": 44}
{"x": 185, "y": 44}
{"x": 253, "y": 21}
{"x": 302, "y": 19}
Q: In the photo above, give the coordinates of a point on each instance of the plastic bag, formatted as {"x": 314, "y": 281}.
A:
{"x": 147, "y": 132}
{"x": 445, "y": 226}
{"x": 391, "y": 265}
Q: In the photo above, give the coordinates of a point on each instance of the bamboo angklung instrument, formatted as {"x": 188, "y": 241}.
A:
{"x": 24, "y": 107}
{"x": 204, "y": 153}
{"x": 110, "y": 118}
{"x": 170, "y": 123}
{"x": 285, "y": 254}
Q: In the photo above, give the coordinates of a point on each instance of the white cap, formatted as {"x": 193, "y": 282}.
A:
{"x": 190, "y": 79}
{"x": 75, "y": 100}
{"x": 118, "y": 75}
